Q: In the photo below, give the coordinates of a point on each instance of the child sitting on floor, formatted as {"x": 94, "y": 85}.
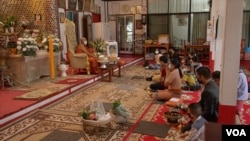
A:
{"x": 197, "y": 131}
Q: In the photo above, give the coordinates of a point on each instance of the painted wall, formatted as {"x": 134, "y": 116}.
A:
{"x": 27, "y": 10}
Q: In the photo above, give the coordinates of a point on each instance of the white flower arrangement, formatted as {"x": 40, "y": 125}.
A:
{"x": 27, "y": 46}
{"x": 99, "y": 45}
{"x": 57, "y": 43}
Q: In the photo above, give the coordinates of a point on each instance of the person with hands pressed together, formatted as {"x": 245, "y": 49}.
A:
{"x": 163, "y": 74}
{"x": 172, "y": 82}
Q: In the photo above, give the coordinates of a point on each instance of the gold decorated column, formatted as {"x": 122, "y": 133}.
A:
{"x": 51, "y": 58}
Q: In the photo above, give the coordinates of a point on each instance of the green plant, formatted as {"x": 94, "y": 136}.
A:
{"x": 116, "y": 104}
{"x": 99, "y": 45}
{"x": 85, "y": 114}
{"x": 88, "y": 115}
{"x": 10, "y": 21}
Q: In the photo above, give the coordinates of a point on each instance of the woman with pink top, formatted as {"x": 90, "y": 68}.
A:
{"x": 172, "y": 82}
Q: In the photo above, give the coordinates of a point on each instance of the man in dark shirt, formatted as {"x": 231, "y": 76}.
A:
{"x": 209, "y": 96}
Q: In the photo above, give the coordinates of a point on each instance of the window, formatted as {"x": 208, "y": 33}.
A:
{"x": 157, "y": 25}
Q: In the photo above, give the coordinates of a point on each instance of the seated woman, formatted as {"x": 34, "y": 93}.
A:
{"x": 172, "y": 82}
{"x": 93, "y": 61}
{"x": 163, "y": 74}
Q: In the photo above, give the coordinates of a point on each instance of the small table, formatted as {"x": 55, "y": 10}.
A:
{"x": 110, "y": 70}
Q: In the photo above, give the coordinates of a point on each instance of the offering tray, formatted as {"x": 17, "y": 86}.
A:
{"x": 101, "y": 121}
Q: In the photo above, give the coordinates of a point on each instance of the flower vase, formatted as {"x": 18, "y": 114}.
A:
{"x": 12, "y": 30}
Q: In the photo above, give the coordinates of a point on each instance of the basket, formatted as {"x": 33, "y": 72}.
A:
{"x": 100, "y": 122}
{"x": 172, "y": 117}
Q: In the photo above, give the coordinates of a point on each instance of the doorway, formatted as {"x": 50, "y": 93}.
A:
{"x": 125, "y": 34}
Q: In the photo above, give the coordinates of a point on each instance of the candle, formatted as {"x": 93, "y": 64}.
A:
{"x": 51, "y": 58}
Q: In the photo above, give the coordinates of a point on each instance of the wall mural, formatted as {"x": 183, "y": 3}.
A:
{"x": 26, "y": 9}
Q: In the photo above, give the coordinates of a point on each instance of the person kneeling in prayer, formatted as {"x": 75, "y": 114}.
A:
{"x": 172, "y": 82}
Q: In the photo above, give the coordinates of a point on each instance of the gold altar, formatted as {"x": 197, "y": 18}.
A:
{"x": 29, "y": 68}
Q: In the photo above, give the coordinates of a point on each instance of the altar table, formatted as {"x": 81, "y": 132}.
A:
{"x": 29, "y": 68}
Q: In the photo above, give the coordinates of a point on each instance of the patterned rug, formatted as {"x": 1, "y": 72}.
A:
{"x": 63, "y": 116}
{"x": 42, "y": 93}
{"x": 245, "y": 116}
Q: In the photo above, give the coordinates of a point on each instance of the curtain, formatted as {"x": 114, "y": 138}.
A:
{"x": 246, "y": 28}
{"x": 157, "y": 25}
{"x": 157, "y": 6}
{"x": 199, "y": 26}
{"x": 199, "y": 6}
{"x": 178, "y": 6}
{"x": 178, "y": 29}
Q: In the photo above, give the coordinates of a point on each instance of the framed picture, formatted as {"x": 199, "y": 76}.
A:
{"x": 112, "y": 17}
{"x": 182, "y": 22}
{"x": 138, "y": 24}
{"x": 144, "y": 10}
{"x": 86, "y": 5}
{"x": 133, "y": 10}
{"x": 138, "y": 9}
{"x": 62, "y": 17}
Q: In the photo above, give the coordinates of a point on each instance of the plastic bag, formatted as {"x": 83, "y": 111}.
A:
{"x": 97, "y": 107}
{"x": 122, "y": 111}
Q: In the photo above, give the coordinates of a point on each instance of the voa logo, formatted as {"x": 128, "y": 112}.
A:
{"x": 236, "y": 132}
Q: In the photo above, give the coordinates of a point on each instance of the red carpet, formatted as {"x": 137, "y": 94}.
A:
{"x": 245, "y": 117}
{"x": 158, "y": 115}
{"x": 8, "y": 105}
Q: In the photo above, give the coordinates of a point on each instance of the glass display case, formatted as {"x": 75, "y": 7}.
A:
{"x": 125, "y": 33}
